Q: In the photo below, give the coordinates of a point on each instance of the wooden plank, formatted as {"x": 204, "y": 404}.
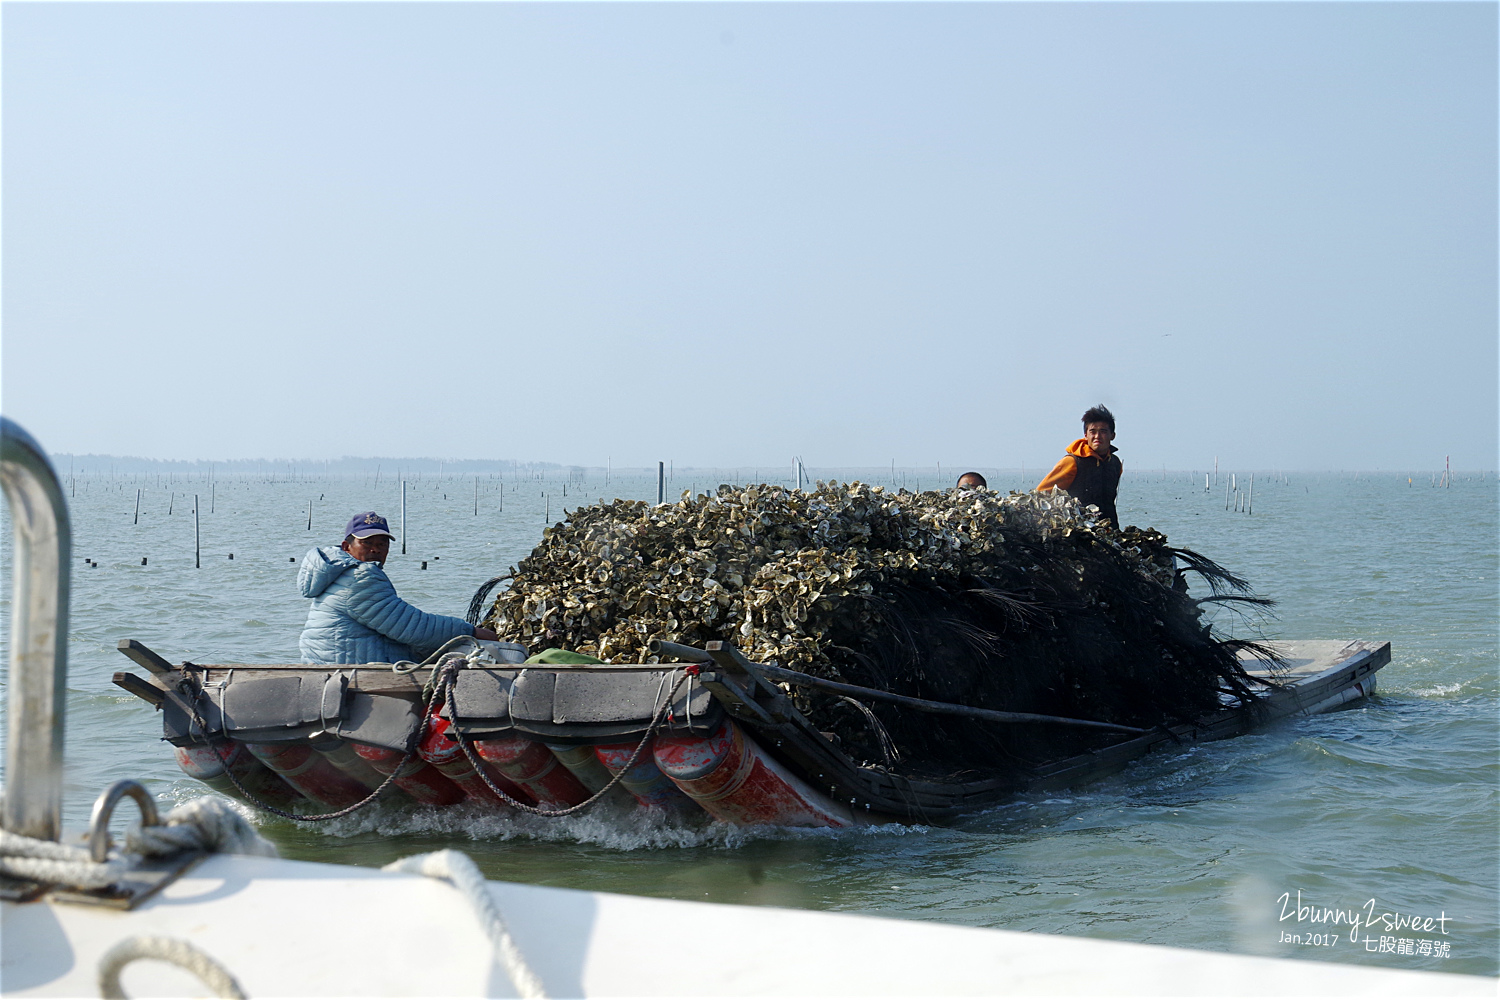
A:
{"x": 143, "y": 656}
{"x": 141, "y": 688}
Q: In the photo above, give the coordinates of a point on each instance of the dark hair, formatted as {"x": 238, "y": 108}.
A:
{"x": 1099, "y": 415}
{"x": 976, "y": 475}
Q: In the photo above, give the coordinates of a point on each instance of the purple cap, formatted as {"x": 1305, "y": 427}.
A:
{"x": 367, "y": 524}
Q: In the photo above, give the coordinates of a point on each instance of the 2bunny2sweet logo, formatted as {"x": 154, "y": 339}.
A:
{"x": 1363, "y": 919}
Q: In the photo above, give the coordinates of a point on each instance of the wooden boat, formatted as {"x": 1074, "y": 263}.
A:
{"x": 717, "y": 734}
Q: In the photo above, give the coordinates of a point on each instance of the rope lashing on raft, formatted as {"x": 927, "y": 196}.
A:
{"x": 935, "y": 707}
{"x": 448, "y": 682}
{"x": 692, "y": 654}
{"x": 441, "y": 685}
{"x": 401, "y": 667}
{"x": 460, "y": 871}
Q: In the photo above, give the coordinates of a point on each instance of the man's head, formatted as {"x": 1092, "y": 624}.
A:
{"x": 1099, "y": 429}
{"x": 972, "y": 480}
{"x": 368, "y": 538}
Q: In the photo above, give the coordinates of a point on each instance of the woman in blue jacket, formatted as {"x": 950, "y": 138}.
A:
{"x": 356, "y": 616}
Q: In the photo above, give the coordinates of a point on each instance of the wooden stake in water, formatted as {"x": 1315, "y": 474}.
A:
{"x": 661, "y": 483}
{"x": 212, "y": 492}
{"x": 1250, "y": 495}
{"x": 309, "y": 513}
{"x": 171, "y": 502}
{"x": 137, "y": 507}
{"x": 197, "y": 560}
{"x": 403, "y": 516}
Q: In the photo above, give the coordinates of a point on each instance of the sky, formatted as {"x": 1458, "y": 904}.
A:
{"x": 727, "y": 234}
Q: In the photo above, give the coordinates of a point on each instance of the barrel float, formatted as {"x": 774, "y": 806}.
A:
{"x": 582, "y": 763}
{"x": 734, "y": 780}
{"x": 343, "y": 756}
{"x": 645, "y": 780}
{"x": 443, "y": 752}
{"x": 532, "y": 766}
{"x": 208, "y": 762}
{"x": 415, "y": 776}
{"x": 312, "y": 774}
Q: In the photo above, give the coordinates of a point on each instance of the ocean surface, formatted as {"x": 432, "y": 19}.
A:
{"x": 1388, "y": 808}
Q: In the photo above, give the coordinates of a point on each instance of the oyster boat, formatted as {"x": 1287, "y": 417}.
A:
{"x": 711, "y": 733}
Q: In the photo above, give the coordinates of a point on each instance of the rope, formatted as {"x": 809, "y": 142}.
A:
{"x": 164, "y": 949}
{"x": 459, "y": 870}
{"x": 441, "y": 682}
{"x": 46, "y": 861}
{"x": 429, "y": 690}
{"x": 447, "y": 680}
{"x": 255, "y": 800}
{"x": 204, "y": 824}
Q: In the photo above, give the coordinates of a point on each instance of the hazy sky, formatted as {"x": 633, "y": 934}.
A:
{"x": 729, "y": 233}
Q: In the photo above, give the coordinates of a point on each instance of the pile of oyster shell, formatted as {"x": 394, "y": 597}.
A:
{"x": 777, "y": 571}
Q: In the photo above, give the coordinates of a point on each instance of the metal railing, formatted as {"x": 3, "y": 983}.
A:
{"x": 37, "y": 685}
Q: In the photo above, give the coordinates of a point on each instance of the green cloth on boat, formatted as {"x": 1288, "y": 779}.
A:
{"x": 562, "y": 656}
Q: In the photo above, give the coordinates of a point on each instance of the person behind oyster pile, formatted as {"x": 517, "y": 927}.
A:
{"x": 1090, "y": 471}
{"x": 356, "y": 616}
{"x": 971, "y": 481}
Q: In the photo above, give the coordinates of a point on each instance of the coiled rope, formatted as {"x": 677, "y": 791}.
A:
{"x": 206, "y": 824}
{"x": 174, "y": 950}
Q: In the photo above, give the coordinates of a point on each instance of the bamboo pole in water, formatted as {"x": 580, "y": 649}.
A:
{"x": 137, "y": 507}
{"x": 197, "y": 549}
{"x": 403, "y": 517}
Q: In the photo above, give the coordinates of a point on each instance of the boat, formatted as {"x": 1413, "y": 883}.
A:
{"x": 707, "y": 733}
{"x": 206, "y": 914}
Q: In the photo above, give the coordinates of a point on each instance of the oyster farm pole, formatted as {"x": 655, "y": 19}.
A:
{"x": 197, "y": 560}
{"x": 403, "y": 517}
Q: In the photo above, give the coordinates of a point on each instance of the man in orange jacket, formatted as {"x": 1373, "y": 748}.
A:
{"x": 1090, "y": 472}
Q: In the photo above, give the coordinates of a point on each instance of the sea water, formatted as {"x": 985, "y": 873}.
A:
{"x": 1317, "y": 838}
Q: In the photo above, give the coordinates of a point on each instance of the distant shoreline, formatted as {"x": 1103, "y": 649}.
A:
{"x": 116, "y": 465}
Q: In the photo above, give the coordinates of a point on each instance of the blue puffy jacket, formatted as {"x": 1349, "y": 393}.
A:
{"x": 356, "y": 616}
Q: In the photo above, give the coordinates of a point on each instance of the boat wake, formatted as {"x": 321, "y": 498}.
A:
{"x": 607, "y": 825}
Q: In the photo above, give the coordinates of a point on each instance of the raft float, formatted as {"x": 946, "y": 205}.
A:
{"x": 712, "y": 733}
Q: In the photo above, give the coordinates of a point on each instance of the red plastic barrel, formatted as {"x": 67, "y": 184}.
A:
{"x": 532, "y": 766}
{"x": 443, "y": 752}
{"x": 344, "y": 757}
{"x": 310, "y": 773}
{"x": 208, "y": 762}
{"x": 645, "y": 780}
{"x": 416, "y": 778}
{"x": 736, "y": 781}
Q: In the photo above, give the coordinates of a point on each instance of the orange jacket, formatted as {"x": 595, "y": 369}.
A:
{"x": 1066, "y": 470}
